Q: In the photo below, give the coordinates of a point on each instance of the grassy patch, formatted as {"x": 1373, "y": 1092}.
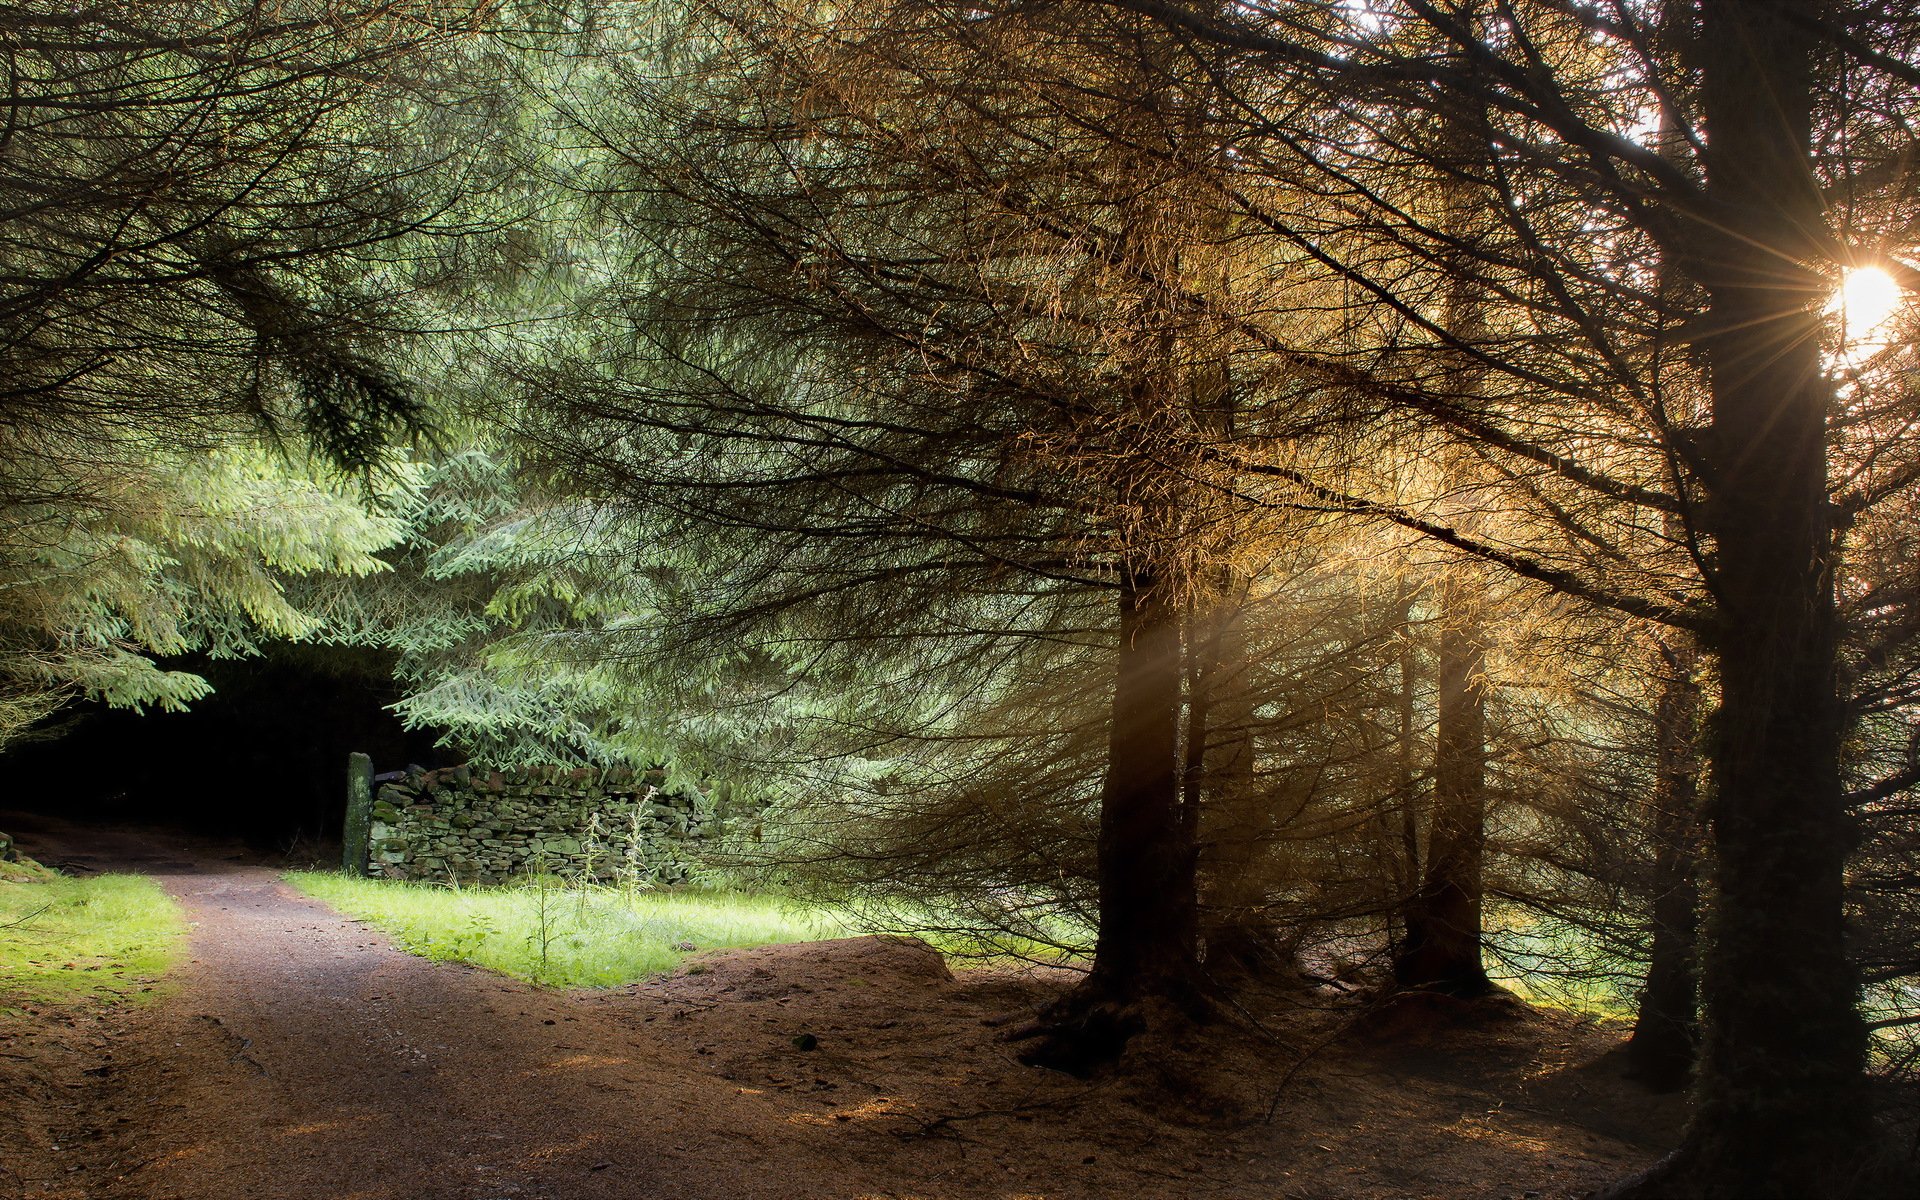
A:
{"x": 1557, "y": 965}
{"x": 71, "y": 942}
{"x": 1048, "y": 939}
{"x": 568, "y": 936}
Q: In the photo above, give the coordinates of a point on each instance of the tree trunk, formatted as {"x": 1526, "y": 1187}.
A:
{"x": 1441, "y": 949}
{"x": 1146, "y": 860}
{"x": 1236, "y": 826}
{"x": 1779, "y": 1097}
{"x": 1146, "y": 950}
{"x": 1396, "y": 822}
{"x": 1667, "y": 1027}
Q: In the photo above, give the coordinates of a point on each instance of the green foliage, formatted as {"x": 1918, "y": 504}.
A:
{"x": 216, "y": 213}
{"x": 160, "y": 553}
{"x": 1560, "y": 965}
{"x": 100, "y": 940}
{"x": 224, "y": 223}
{"x": 501, "y": 606}
{"x": 564, "y": 932}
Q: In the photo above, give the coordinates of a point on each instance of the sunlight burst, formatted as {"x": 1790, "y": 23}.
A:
{"x": 1866, "y": 302}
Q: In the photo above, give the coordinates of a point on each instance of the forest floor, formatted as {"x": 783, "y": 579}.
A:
{"x": 297, "y": 1054}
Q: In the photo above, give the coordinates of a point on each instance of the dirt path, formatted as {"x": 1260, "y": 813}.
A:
{"x": 301, "y": 1056}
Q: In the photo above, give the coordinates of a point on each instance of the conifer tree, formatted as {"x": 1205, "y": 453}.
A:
{"x": 934, "y": 366}
{"x": 1756, "y": 220}
{"x": 216, "y": 219}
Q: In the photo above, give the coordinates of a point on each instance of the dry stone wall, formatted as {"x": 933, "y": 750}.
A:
{"x": 475, "y": 826}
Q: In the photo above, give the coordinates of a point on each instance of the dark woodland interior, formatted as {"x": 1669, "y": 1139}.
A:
{"x": 264, "y": 758}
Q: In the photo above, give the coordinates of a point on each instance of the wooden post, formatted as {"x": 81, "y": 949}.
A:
{"x": 359, "y": 824}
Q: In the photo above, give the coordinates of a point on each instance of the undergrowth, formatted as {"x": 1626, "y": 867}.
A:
{"x": 563, "y": 932}
{"x": 72, "y": 942}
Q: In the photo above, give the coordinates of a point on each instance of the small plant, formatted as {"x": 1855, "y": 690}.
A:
{"x": 588, "y": 881}
{"x": 465, "y": 942}
{"x": 632, "y": 874}
{"x": 540, "y": 884}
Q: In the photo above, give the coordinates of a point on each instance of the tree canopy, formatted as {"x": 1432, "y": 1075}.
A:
{"x": 1324, "y": 490}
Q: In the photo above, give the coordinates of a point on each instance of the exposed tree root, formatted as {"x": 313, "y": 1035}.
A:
{"x": 1082, "y": 1039}
{"x": 1090, "y": 1027}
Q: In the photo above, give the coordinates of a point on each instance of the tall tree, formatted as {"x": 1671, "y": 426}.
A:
{"x": 1751, "y": 222}
{"x": 918, "y": 354}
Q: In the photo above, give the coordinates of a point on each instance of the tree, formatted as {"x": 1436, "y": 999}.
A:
{"x": 1753, "y": 223}
{"x": 940, "y": 370}
{"x": 170, "y": 554}
{"x": 213, "y": 219}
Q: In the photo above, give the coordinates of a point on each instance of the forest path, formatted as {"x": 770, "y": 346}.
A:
{"x": 297, "y": 1054}
{"x": 301, "y": 1055}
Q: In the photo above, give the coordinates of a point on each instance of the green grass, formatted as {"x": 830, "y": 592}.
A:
{"x": 972, "y": 938}
{"x": 590, "y": 937}
{"x": 74, "y": 942}
{"x": 1556, "y": 965}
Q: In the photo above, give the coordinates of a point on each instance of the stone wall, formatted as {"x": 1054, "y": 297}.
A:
{"x": 478, "y": 826}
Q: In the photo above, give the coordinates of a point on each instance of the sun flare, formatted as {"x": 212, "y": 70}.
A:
{"x": 1866, "y": 302}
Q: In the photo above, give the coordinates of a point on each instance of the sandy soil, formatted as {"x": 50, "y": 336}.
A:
{"x": 300, "y": 1055}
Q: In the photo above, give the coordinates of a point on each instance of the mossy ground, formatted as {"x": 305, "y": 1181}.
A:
{"x": 568, "y": 936}
{"x": 67, "y": 942}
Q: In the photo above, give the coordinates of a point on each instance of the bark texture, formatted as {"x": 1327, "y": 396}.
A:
{"x": 1147, "y": 948}
{"x": 1441, "y": 948}
{"x": 1666, "y": 1028}
{"x": 1780, "y": 1103}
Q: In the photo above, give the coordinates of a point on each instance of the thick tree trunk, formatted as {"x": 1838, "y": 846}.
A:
{"x": 1146, "y": 859}
{"x": 1146, "y": 950}
{"x": 1441, "y": 947}
{"x": 1667, "y": 1027}
{"x": 1780, "y": 1104}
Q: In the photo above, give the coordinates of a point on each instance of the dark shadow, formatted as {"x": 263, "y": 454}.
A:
{"x": 263, "y": 759}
